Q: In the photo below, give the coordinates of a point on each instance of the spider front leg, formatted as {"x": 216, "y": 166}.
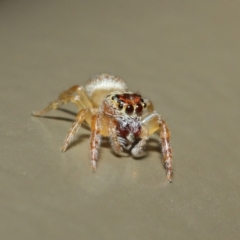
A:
{"x": 155, "y": 123}
{"x": 166, "y": 148}
{"x": 95, "y": 141}
{"x": 75, "y": 94}
{"x": 116, "y": 141}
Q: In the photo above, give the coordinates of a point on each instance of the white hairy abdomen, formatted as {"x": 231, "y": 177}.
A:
{"x": 100, "y": 86}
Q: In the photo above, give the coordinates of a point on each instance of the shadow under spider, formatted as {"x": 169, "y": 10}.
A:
{"x": 84, "y": 125}
{"x": 60, "y": 118}
{"x": 77, "y": 140}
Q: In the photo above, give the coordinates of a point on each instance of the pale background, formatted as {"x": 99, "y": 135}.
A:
{"x": 184, "y": 56}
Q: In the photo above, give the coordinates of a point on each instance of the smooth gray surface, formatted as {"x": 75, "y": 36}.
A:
{"x": 184, "y": 56}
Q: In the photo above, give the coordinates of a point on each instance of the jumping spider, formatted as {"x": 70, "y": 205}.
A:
{"x": 112, "y": 111}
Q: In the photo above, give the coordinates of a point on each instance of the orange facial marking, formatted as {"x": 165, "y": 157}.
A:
{"x": 129, "y": 98}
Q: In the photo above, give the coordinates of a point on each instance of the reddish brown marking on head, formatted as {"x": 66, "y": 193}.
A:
{"x": 129, "y": 98}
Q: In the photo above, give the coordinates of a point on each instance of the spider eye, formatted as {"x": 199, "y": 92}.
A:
{"x": 138, "y": 109}
{"x": 120, "y": 105}
{"x": 129, "y": 109}
{"x": 144, "y": 104}
{"x": 115, "y": 97}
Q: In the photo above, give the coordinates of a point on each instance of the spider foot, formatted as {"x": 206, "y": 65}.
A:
{"x": 94, "y": 165}
{"x": 64, "y": 148}
{"x": 66, "y": 143}
{"x": 36, "y": 113}
{"x": 169, "y": 176}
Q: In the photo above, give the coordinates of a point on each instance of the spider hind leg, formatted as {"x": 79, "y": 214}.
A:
{"x": 75, "y": 94}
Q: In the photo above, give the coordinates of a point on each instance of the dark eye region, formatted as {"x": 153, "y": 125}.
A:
{"x": 131, "y": 108}
{"x": 132, "y": 101}
{"x": 139, "y": 109}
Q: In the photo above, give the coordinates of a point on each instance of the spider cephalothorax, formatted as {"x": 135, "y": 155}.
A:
{"x": 111, "y": 111}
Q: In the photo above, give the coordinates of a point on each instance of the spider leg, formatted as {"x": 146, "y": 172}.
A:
{"x": 81, "y": 116}
{"x": 115, "y": 140}
{"x": 156, "y": 124}
{"x": 166, "y": 148}
{"x": 95, "y": 141}
{"x": 75, "y": 94}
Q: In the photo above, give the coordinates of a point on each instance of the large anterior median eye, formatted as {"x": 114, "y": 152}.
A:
{"x": 129, "y": 109}
{"x": 138, "y": 109}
